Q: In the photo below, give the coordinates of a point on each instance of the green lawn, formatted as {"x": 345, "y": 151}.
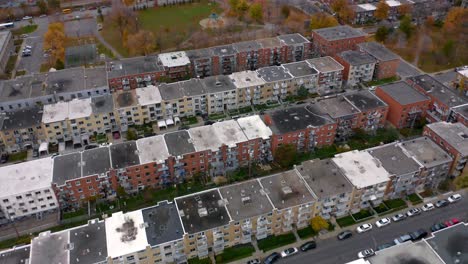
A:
{"x": 79, "y": 212}
{"x": 24, "y": 30}
{"x": 216, "y": 116}
{"x": 189, "y": 120}
{"x": 19, "y": 156}
{"x": 382, "y": 81}
{"x": 10, "y": 66}
{"x": 345, "y": 221}
{"x": 362, "y": 215}
{"x": 235, "y": 253}
{"x": 414, "y": 199}
{"x": 382, "y": 208}
{"x": 273, "y": 242}
{"x": 199, "y": 261}
{"x": 306, "y": 232}
{"x": 395, "y": 204}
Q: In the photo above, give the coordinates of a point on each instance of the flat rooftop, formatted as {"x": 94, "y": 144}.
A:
{"x": 378, "y": 51}
{"x": 163, "y": 223}
{"x": 171, "y": 91}
{"x": 16, "y": 89}
{"x": 79, "y": 108}
{"x": 364, "y": 100}
{"x": 67, "y": 167}
{"x": 294, "y": 119}
{"x": 217, "y": 84}
{"x": 229, "y": 132}
{"x": 202, "y": 211}
{"x": 26, "y": 176}
{"x": 55, "y": 112}
{"x": 246, "y": 200}
{"x": 403, "y": 93}
{"x": 50, "y": 247}
{"x": 123, "y": 99}
{"x": 66, "y": 81}
{"x": 246, "y": 46}
{"x": 102, "y": 104}
{"x": 339, "y": 32}
{"x": 95, "y": 78}
{"x": 125, "y": 233}
{"x": 192, "y": 87}
{"x": 419, "y": 252}
{"x": 16, "y": 255}
{"x": 149, "y": 95}
{"x": 96, "y": 161}
{"x": 225, "y": 50}
{"x": 361, "y": 169}
{"x": 357, "y": 58}
{"x": 274, "y": 74}
{"x": 335, "y": 107}
{"x": 89, "y": 243}
{"x": 456, "y": 134}
{"x": 246, "y": 79}
{"x": 205, "y": 138}
{"x": 286, "y": 189}
{"x": 392, "y": 3}
{"x": 179, "y": 143}
{"x": 124, "y": 155}
{"x": 152, "y": 149}
{"x": 462, "y": 110}
{"x": 394, "y": 159}
{"x": 451, "y": 244}
{"x": 426, "y": 152}
{"x": 131, "y": 66}
{"x": 438, "y": 90}
{"x": 325, "y": 64}
{"x": 174, "y": 59}
{"x": 199, "y": 54}
{"x": 21, "y": 118}
{"x": 292, "y": 39}
{"x": 300, "y": 69}
{"x": 367, "y": 7}
{"x": 324, "y": 178}
{"x": 269, "y": 42}
{"x": 254, "y": 127}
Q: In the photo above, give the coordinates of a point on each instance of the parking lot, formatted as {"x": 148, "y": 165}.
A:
{"x": 32, "y": 64}
{"x": 80, "y": 27}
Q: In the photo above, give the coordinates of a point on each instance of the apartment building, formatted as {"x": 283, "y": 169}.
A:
{"x": 250, "y": 88}
{"x": 277, "y": 83}
{"x": 304, "y": 76}
{"x": 333, "y": 190}
{"x": 6, "y": 48}
{"x": 462, "y": 79}
{"x": 363, "y": 13}
{"x": 248, "y": 55}
{"x": 404, "y": 170}
{"x": 366, "y": 174}
{"x": 300, "y": 126}
{"x": 442, "y": 97}
{"x": 224, "y": 59}
{"x": 176, "y": 64}
{"x": 295, "y": 47}
{"x": 387, "y": 61}
{"x": 373, "y": 111}
{"x": 202, "y": 64}
{"x": 270, "y": 52}
{"x": 158, "y": 167}
{"x": 330, "y": 74}
{"x": 406, "y": 105}
{"x": 126, "y": 169}
{"x": 459, "y": 114}
{"x": 259, "y": 136}
{"x": 27, "y": 190}
{"x": 332, "y": 40}
{"x": 221, "y": 94}
{"x": 17, "y": 254}
{"x": 358, "y": 67}
{"x": 453, "y": 138}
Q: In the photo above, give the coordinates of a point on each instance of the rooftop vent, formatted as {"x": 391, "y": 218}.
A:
{"x": 128, "y": 230}
{"x": 202, "y": 212}
{"x": 286, "y": 190}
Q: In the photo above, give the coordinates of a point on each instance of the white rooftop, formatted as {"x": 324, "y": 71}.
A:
{"x": 392, "y": 3}
{"x": 368, "y": 7}
{"x": 254, "y": 127}
{"x": 152, "y": 149}
{"x": 55, "y": 112}
{"x": 204, "y": 138}
{"x": 174, "y": 59}
{"x": 148, "y": 95}
{"x": 229, "y": 132}
{"x": 125, "y": 233}
{"x": 361, "y": 169}
{"x": 79, "y": 108}
{"x": 245, "y": 79}
{"x": 25, "y": 177}
{"x": 464, "y": 72}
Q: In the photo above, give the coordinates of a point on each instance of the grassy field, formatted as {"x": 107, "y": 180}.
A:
{"x": 273, "y": 242}
{"x": 235, "y": 253}
{"x": 24, "y": 30}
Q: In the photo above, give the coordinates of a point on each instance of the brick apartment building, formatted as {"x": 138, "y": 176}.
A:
{"x": 387, "y": 61}
{"x": 358, "y": 66}
{"x": 332, "y": 40}
{"x": 459, "y": 114}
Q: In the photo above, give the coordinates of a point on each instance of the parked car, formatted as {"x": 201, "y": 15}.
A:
{"x": 366, "y": 253}
{"x": 253, "y": 261}
{"x": 289, "y": 252}
{"x": 27, "y": 17}
{"x": 345, "y": 235}
{"x": 308, "y": 246}
{"x": 364, "y": 228}
{"x": 419, "y": 234}
{"x": 454, "y": 198}
{"x": 91, "y": 146}
{"x": 452, "y": 222}
{"x": 272, "y": 258}
{"x": 413, "y": 212}
{"x": 28, "y": 47}
{"x": 441, "y": 203}
{"x": 43, "y": 15}
{"x": 382, "y": 222}
{"x": 398, "y": 217}
{"x": 438, "y": 227}
{"x": 428, "y": 207}
{"x": 402, "y": 239}
{"x": 4, "y": 158}
{"x": 386, "y": 245}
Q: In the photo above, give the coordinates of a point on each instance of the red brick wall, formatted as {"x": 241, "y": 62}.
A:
{"x": 345, "y": 64}
{"x": 330, "y": 48}
{"x": 386, "y": 69}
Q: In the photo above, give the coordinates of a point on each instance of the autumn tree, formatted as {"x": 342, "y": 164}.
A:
{"x": 457, "y": 17}
{"x": 242, "y": 8}
{"x": 24, "y": 7}
{"x": 318, "y": 224}
{"x": 42, "y": 5}
{"x": 123, "y": 18}
{"x": 256, "y": 12}
{"x": 381, "y": 34}
{"x": 343, "y": 10}
{"x": 404, "y": 9}
{"x": 382, "y": 10}
{"x": 285, "y": 11}
{"x": 129, "y": 2}
{"x": 322, "y": 20}
{"x": 285, "y": 155}
{"x": 53, "y": 4}
{"x": 233, "y": 4}
{"x": 141, "y": 43}
{"x": 54, "y": 40}
{"x": 406, "y": 27}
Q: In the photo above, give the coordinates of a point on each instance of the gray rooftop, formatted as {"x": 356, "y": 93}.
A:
{"x": 325, "y": 64}
{"x": 428, "y": 153}
{"x": 364, "y": 100}
{"x": 102, "y": 104}
{"x": 179, "y": 143}
{"x": 324, "y": 178}
{"x": 456, "y": 134}
{"x": 403, "y": 93}
{"x": 273, "y": 74}
{"x": 21, "y": 118}
{"x": 65, "y": 81}
{"x": 451, "y": 244}
{"x": 438, "y": 90}
{"x": 462, "y": 110}
{"x": 216, "y": 84}
{"x": 95, "y": 161}
{"x": 199, "y": 54}
{"x": 17, "y": 255}
{"x": 16, "y": 89}
{"x": 269, "y": 42}
{"x": 292, "y": 39}
{"x": 131, "y": 66}
{"x": 407, "y": 253}
{"x": 226, "y": 50}
{"x": 246, "y": 200}
{"x": 336, "y": 107}
{"x": 300, "y": 69}
{"x": 89, "y": 243}
{"x": 124, "y": 99}
{"x": 171, "y": 91}
{"x": 246, "y": 46}
{"x": 378, "y": 51}
{"x": 50, "y": 248}
{"x": 95, "y": 78}
{"x": 339, "y": 32}
{"x": 66, "y": 167}
{"x": 286, "y": 189}
{"x": 163, "y": 223}
{"x": 394, "y": 159}
{"x": 202, "y": 211}
{"x": 296, "y": 118}
{"x": 124, "y": 155}
{"x": 192, "y": 87}
{"x": 356, "y": 58}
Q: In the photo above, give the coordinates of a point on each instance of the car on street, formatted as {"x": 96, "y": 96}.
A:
{"x": 454, "y": 198}
{"x": 418, "y": 234}
{"x": 308, "y": 246}
{"x": 452, "y": 222}
{"x": 382, "y": 222}
{"x": 366, "y": 253}
{"x": 43, "y": 15}
{"x": 27, "y": 47}
{"x": 402, "y": 239}
{"x": 413, "y": 212}
{"x": 437, "y": 227}
{"x": 289, "y": 252}
{"x": 441, "y": 203}
{"x": 253, "y": 261}
{"x": 24, "y": 35}
{"x": 428, "y": 207}
{"x": 272, "y": 258}
{"x": 386, "y": 245}
{"x": 345, "y": 235}
{"x": 398, "y": 217}
{"x": 364, "y": 228}
{"x": 27, "y": 17}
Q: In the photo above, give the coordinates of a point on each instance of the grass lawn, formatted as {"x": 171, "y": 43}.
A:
{"x": 79, "y": 212}
{"x": 19, "y": 156}
{"x": 235, "y": 253}
{"x": 345, "y": 221}
{"x": 6, "y": 244}
{"x": 273, "y": 242}
{"x": 101, "y": 138}
{"x": 24, "y": 30}
{"x": 10, "y": 66}
{"x": 216, "y": 116}
{"x": 199, "y": 261}
{"x": 382, "y": 208}
{"x": 306, "y": 232}
{"x": 395, "y": 204}
{"x": 362, "y": 215}
{"x": 414, "y": 199}
{"x": 189, "y": 120}
{"x": 382, "y": 81}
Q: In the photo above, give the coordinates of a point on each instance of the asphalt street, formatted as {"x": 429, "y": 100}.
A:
{"x": 333, "y": 251}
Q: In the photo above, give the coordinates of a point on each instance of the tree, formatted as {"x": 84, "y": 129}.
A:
{"x": 131, "y": 135}
{"x": 42, "y": 5}
{"x": 457, "y": 18}
{"x": 406, "y": 27}
{"x": 381, "y": 34}
{"x": 129, "y": 2}
{"x": 123, "y": 18}
{"x": 322, "y": 20}
{"x": 404, "y": 9}
{"x": 59, "y": 65}
{"x": 382, "y": 10}
{"x": 343, "y": 10}
{"x": 461, "y": 181}
{"x": 121, "y": 193}
{"x": 23, "y": 7}
{"x": 302, "y": 92}
{"x": 285, "y": 155}
{"x": 242, "y": 8}
{"x": 285, "y": 11}
{"x": 53, "y": 4}
{"x": 318, "y": 224}
{"x": 448, "y": 48}
{"x": 256, "y": 12}
{"x": 54, "y": 40}
{"x": 99, "y": 11}
{"x": 141, "y": 43}
{"x": 233, "y": 4}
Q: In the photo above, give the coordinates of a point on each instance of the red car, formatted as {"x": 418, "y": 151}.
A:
{"x": 452, "y": 222}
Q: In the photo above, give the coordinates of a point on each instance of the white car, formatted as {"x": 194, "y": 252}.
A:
{"x": 383, "y": 222}
{"x": 27, "y": 17}
{"x": 454, "y": 198}
{"x": 364, "y": 228}
{"x": 428, "y": 207}
{"x": 366, "y": 253}
{"x": 289, "y": 252}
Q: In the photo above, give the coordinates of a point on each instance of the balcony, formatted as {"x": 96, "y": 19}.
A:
{"x": 329, "y": 203}
{"x": 326, "y": 210}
